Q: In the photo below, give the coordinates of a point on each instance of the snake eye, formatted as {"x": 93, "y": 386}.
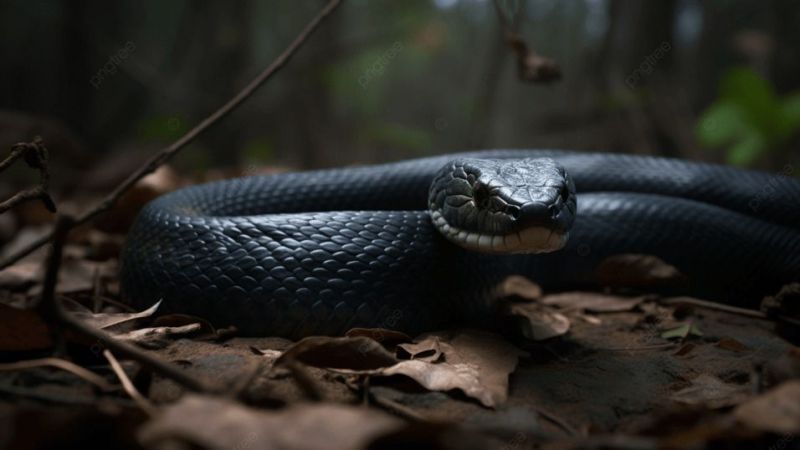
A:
{"x": 480, "y": 195}
{"x": 564, "y": 193}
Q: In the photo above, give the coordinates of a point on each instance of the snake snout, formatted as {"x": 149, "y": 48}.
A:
{"x": 503, "y": 206}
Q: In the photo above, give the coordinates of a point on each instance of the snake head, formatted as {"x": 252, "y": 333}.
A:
{"x": 503, "y": 206}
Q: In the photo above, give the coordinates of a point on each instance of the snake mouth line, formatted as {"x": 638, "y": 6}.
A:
{"x": 535, "y": 239}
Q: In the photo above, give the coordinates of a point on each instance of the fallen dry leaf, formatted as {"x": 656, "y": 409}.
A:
{"x": 639, "y": 271}
{"x": 477, "y": 363}
{"x": 516, "y": 285}
{"x": 429, "y": 350}
{"x": 711, "y": 392}
{"x": 592, "y": 302}
{"x": 682, "y": 331}
{"x": 105, "y": 320}
{"x": 219, "y": 423}
{"x": 732, "y": 345}
{"x": 146, "y": 335}
{"x": 348, "y": 353}
{"x": 685, "y": 349}
{"x": 387, "y": 338}
{"x": 538, "y": 322}
{"x": 776, "y": 411}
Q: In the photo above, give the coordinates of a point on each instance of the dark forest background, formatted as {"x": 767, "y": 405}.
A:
{"x": 108, "y": 83}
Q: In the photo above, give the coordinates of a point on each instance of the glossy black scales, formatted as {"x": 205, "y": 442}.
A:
{"x": 321, "y": 252}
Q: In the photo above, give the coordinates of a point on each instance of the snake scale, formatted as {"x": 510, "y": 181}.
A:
{"x": 322, "y": 251}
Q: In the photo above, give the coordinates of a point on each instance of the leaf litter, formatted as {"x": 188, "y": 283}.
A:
{"x": 379, "y": 387}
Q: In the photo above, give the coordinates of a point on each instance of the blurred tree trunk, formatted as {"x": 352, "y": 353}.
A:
{"x": 313, "y": 112}
{"x": 637, "y": 53}
{"x": 785, "y": 65}
{"x": 215, "y": 49}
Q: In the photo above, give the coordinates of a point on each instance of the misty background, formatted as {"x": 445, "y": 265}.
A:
{"x": 108, "y": 83}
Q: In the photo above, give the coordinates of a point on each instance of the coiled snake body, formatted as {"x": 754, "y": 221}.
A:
{"x": 417, "y": 244}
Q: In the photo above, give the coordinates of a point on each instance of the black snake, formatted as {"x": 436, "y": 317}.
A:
{"x": 418, "y": 244}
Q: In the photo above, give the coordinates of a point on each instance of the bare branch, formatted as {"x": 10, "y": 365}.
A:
{"x": 36, "y": 156}
{"x": 52, "y": 312}
{"x": 128, "y": 386}
{"x": 165, "y": 154}
{"x": 531, "y": 67}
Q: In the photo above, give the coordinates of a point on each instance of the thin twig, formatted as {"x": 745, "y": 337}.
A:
{"x": 36, "y": 156}
{"x": 53, "y": 313}
{"x": 167, "y": 153}
{"x": 715, "y": 306}
{"x": 531, "y": 66}
{"x": 62, "y": 364}
{"x": 128, "y": 386}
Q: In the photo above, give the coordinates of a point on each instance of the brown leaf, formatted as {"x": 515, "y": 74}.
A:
{"x": 429, "y": 349}
{"x": 711, "y": 392}
{"x": 685, "y": 349}
{"x": 538, "y": 322}
{"x": 387, "y": 338}
{"x": 732, "y": 345}
{"x": 219, "y": 423}
{"x": 592, "y": 302}
{"x": 22, "y": 329}
{"x": 776, "y": 411}
{"x": 519, "y": 286}
{"x": 475, "y": 362}
{"x": 637, "y": 271}
{"x": 105, "y": 320}
{"x": 349, "y": 353}
{"x": 147, "y": 335}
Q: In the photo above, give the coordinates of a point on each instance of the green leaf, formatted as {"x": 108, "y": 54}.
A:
{"x": 790, "y": 115}
{"x": 754, "y": 96}
{"x": 721, "y": 124}
{"x": 747, "y": 150}
{"x": 682, "y": 331}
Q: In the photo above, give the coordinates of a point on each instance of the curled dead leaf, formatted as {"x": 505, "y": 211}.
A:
{"x": 518, "y": 286}
{"x": 105, "y": 320}
{"x": 638, "y": 271}
{"x": 429, "y": 349}
{"x": 538, "y": 322}
{"x": 732, "y": 345}
{"x": 147, "y": 335}
{"x": 711, "y": 392}
{"x": 592, "y": 302}
{"x": 387, "y": 338}
{"x": 475, "y": 362}
{"x": 349, "y": 353}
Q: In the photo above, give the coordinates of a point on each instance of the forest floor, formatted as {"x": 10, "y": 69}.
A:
{"x": 577, "y": 369}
